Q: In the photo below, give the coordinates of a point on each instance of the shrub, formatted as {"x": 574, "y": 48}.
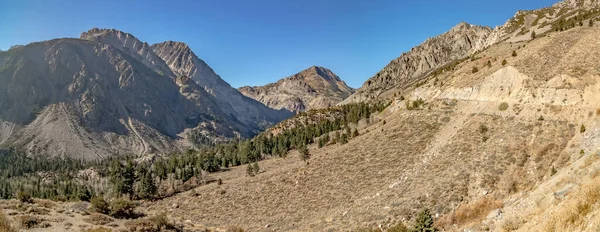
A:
{"x": 398, "y": 228}
{"x": 100, "y": 205}
{"x": 142, "y": 225}
{"x": 532, "y": 35}
{"x": 28, "y": 222}
{"x": 503, "y": 106}
{"x": 483, "y": 129}
{"x": 98, "y": 219}
{"x": 249, "y": 170}
{"x": 489, "y": 64}
{"x": 161, "y": 221}
{"x": 24, "y": 197}
{"x": 255, "y": 168}
{"x": 474, "y": 70}
{"x": 122, "y": 208}
{"x": 504, "y": 62}
{"x": 514, "y": 53}
{"x": 582, "y": 129}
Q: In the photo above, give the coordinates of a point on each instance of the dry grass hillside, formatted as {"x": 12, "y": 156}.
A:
{"x": 481, "y": 142}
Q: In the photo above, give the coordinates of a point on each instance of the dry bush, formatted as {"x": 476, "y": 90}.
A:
{"x": 235, "y": 229}
{"x": 141, "y": 225}
{"x": 162, "y": 221}
{"x": 571, "y": 214}
{"x": 37, "y": 210}
{"x": 45, "y": 203}
{"x": 503, "y": 106}
{"x": 511, "y": 224}
{"x": 470, "y": 212}
{"x": 398, "y": 228}
{"x": 30, "y": 222}
{"x": 5, "y": 225}
{"x": 98, "y": 219}
{"x": 24, "y": 197}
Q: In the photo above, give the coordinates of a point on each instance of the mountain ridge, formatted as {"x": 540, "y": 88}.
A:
{"x": 313, "y": 88}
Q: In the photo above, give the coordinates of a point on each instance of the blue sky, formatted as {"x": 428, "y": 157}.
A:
{"x": 255, "y": 42}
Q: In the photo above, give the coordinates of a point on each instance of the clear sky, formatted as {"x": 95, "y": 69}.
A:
{"x": 255, "y": 42}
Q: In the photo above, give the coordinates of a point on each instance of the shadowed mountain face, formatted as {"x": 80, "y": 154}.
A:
{"x": 313, "y": 88}
{"x": 109, "y": 93}
{"x": 183, "y": 62}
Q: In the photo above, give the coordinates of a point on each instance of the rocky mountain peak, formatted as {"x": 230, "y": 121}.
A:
{"x": 131, "y": 45}
{"x": 313, "y": 88}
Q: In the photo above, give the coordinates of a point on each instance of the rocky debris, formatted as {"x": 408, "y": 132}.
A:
{"x": 562, "y": 193}
{"x": 313, "y": 88}
{"x": 494, "y": 214}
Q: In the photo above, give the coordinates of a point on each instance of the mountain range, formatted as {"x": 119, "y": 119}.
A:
{"x": 109, "y": 93}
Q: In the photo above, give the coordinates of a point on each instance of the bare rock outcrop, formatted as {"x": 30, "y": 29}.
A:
{"x": 313, "y": 88}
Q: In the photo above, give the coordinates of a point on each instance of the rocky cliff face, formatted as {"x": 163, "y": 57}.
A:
{"x": 183, "y": 62}
{"x": 464, "y": 40}
{"x": 313, "y": 88}
{"x": 411, "y": 67}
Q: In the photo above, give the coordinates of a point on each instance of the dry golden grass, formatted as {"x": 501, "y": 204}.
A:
{"x": 470, "y": 212}
{"x": 512, "y": 224}
{"x": 5, "y": 224}
{"x": 45, "y": 203}
{"x": 590, "y": 160}
{"x": 571, "y": 213}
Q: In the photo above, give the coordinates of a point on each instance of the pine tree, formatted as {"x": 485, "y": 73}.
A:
{"x": 147, "y": 186}
{"x": 249, "y": 170}
{"x": 424, "y": 222}
{"x": 304, "y": 153}
{"x": 255, "y": 168}
{"x": 532, "y": 35}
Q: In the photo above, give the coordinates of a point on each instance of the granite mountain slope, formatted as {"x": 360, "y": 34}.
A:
{"x": 183, "y": 62}
{"x": 313, "y": 88}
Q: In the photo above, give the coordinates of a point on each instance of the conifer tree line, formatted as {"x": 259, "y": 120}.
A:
{"x": 61, "y": 178}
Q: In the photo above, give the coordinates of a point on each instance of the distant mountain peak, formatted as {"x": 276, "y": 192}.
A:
{"x": 312, "y": 88}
